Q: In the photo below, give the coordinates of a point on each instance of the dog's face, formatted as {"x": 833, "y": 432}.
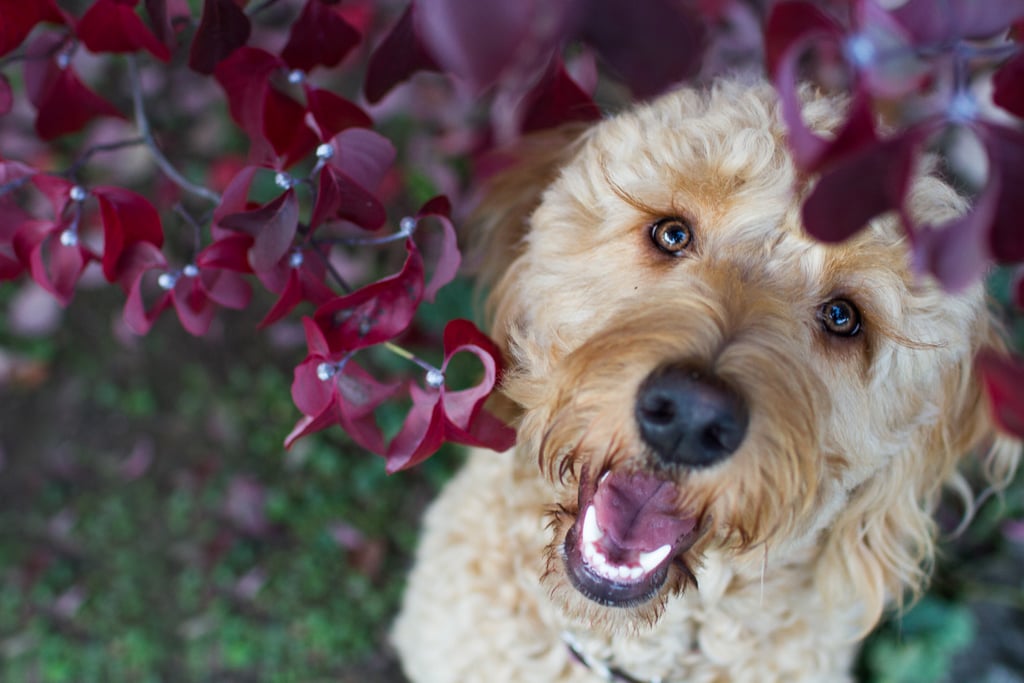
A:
{"x": 695, "y": 373}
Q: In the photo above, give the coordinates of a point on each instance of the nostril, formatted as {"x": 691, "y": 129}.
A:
{"x": 658, "y": 410}
{"x": 690, "y": 418}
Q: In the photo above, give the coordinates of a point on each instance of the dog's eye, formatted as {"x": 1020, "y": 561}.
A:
{"x": 672, "y": 235}
{"x": 840, "y": 317}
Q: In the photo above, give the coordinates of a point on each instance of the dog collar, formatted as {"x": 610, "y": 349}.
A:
{"x": 606, "y": 672}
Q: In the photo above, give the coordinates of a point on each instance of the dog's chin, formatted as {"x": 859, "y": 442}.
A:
{"x": 627, "y": 536}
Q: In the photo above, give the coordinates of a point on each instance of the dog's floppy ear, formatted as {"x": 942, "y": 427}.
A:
{"x": 883, "y": 543}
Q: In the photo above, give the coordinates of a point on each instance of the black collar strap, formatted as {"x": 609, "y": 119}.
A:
{"x": 604, "y": 671}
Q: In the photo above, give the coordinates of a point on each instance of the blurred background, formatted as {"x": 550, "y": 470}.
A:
{"x": 154, "y": 529}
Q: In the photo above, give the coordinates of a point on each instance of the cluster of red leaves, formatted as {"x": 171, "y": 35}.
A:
{"x": 508, "y": 51}
{"x": 928, "y": 50}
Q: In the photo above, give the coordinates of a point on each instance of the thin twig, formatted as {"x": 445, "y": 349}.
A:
{"x": 108, "y": 147}
{"x": 143, "y": 124}
{"x": 333, "y": 271}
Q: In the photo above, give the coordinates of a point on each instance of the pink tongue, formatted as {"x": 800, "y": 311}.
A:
{"x": 637, "y": 512}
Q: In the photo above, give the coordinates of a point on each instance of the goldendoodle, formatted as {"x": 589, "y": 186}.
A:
{"x": 731, "y": 437}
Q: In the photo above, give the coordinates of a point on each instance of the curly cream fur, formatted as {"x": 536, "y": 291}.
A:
{"x": 817, "y": 524}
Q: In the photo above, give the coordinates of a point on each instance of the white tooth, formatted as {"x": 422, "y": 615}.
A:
{"x": 591, "y": 531}
{"x": 603, "y": 477}
{"x": 652, "y": 559}
{"x": 624, "y": 572}
{"x": 636, "y": 572}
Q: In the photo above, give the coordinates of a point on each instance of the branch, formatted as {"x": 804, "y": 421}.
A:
{"x": 143, "y": 124}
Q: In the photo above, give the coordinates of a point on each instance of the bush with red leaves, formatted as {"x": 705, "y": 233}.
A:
{"x": 311, "y": 86}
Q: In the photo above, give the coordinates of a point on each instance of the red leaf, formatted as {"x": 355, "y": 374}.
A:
{"x": 113, "y": 26}
{"x": 225, "y": 288}
{"x": 299, "y": 277}
{"x": 245, "y": 75}
{"x": 422, "y": 432}
{"x": 363, "y": 155}
{"x": 1003, "y": 379}
{"x": 1008, "y": 84}
{"x": 448, "y": 257}
{"x": 859, "y": 187}
{"x": 376, "y": 313}
{"x": 139, "y": 259}
{"x": 438, "y": 414}
{"x": 6, "y": 96}
{"x": 671, "y": 50}
{"x": 224, "y": 28}
{"x": 340, "y": 197}
{"x": 229, "y": 252}
{"x": 334, "y": 114}
{"x": 1005, "y": 147}
{"x": 396, "y": 58}
{"x": 791, "y": 28}
{"x": 934, "y": 22}
{"x": 284, "y": 126}
{"x": 194, "y": 308}
{"x": 481, "y": 40}
{"x": 958, "y": 253}
{"x": 272, "y": 226}
{"x": 54, "y": 266}
{"x": 128, "y": 218}
{"x": 557, "y": 99}
{"x": 319, "y": 37}
{"x": 235, "y": 198}
{"x": 65, "y": 105}
{"x": 20, "y": 17}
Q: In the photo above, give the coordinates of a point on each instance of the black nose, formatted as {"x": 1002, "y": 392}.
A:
{"x": 689, "y": 417}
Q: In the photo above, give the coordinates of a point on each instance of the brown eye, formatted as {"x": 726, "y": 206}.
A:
{"x": 672, "y": 235}
{"x": 840, "y": 317}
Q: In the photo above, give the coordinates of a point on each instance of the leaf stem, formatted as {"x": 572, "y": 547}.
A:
{"x": 410, "y": 356}
{"x": 147, "y": 134}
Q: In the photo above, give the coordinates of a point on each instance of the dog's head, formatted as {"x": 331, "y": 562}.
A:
{"x": 694, "y": 373}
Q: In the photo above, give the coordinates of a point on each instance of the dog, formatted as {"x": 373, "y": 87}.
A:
{"x": 731, "y": 437}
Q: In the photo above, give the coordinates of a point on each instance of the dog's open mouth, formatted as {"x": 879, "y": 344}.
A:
{"x": 625, "y": 537}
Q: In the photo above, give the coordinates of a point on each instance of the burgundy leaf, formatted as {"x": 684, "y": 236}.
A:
{"x": 113, "y": 26}
{"x": 140, "y": 259}
{"x": 225, "y": 288}
{"x": 193, "y": 305}
{"x": 224, "y": 28}
{"x": 438, "y": 415}
{"x": 671, "y": 50}
{"x": 319, "y": 37}
{"x": 65, "y": 105}
{"x": 480, "y": 41}
{"x": 6, "y": 96}
{"x": 245, "y": 77}
{"x": 128, "y": 218}
{"x": 235, "y": 198}
{"x": 1008, "y": 85}
{"x": 359, "y": 395}
{"x": 377, "y": 312}
{"x": 399, "y": 56}
{"x": 363, "y": 155}
{"x": 56, "y": 267}
{"x": 1003, "y": 379}
{"x": 859, "y": 187}
{"x": 792, "y": 27}
{"x": 333, "y": 113}
{"x": 272, "y": 226}
{"x": 20, "y": 17}
{"x": 555, "y": 100}
{"x": 298, "y": 277}
{"x": 934, "y": 22}
{"x": 340, "y": 197}
{"x": 448, "y": 257}
{"x": 422, "y": 432}
{"x": 230, "y": 252}
{"x": 1005, "y": 147}
{"x": 284, "y": 126}
{"x": 958, "y": 252}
